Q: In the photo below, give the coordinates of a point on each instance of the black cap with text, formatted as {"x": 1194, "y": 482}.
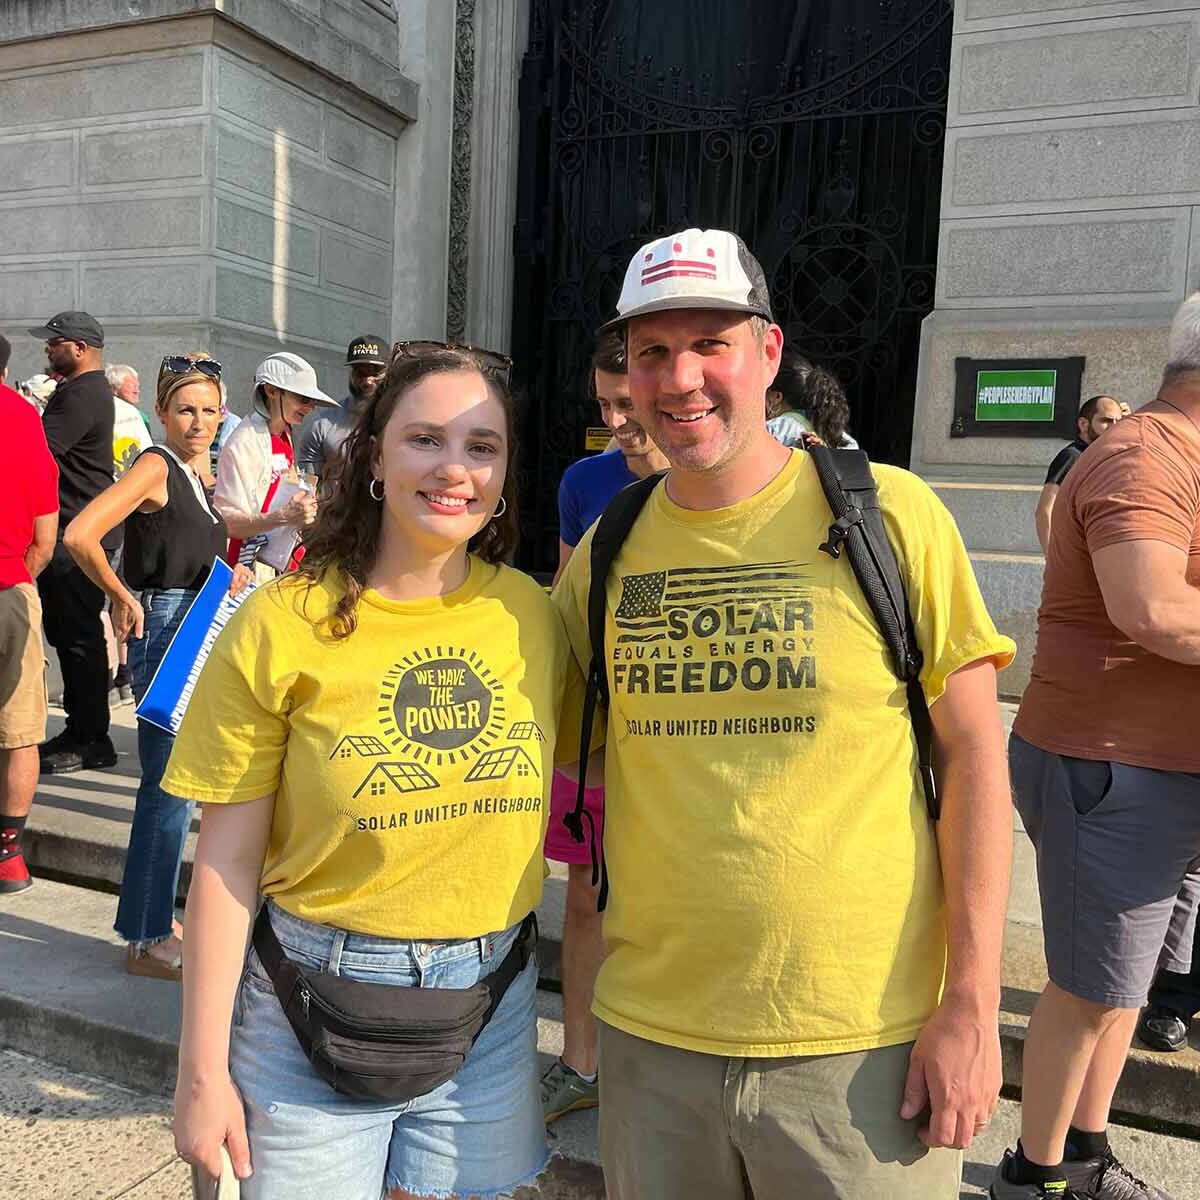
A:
{"x": 366, "y": 349}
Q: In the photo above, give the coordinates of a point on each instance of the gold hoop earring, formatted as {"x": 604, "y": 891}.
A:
{"x": 501, "y": 509}
{"x": 371, "y": 488}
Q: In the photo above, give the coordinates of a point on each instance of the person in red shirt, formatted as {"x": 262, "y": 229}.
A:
{"x": 28, "y": 528}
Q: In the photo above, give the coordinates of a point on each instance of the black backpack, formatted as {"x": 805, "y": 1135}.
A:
{"x": 849, "y": 487}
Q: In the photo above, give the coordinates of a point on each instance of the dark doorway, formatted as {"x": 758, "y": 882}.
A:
{"x": 814, "y": 128}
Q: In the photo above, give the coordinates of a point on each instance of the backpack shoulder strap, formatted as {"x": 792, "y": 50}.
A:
{"x": 608, "y": 537}
{"x": 849, "y": 487}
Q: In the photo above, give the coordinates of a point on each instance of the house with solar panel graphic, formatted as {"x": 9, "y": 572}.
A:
{"x": 502, "y": 762}
{"x": 362, "y": 745}
{"x": 526, "y": 731}
{"x": 396, "y": 776}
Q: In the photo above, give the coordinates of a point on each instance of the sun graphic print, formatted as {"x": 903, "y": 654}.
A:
{"x": 441, "y": 706}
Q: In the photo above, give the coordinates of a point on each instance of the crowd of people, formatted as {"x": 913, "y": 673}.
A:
{"x": 781, "y": 956}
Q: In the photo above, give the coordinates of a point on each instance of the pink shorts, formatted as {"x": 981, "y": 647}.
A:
{"x": 560, "y": 845}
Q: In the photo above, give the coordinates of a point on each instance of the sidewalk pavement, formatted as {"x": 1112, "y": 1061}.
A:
{"x": 70, "y": 1136}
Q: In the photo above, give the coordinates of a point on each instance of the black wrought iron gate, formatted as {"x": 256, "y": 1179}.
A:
{"x": 827, "y": 160}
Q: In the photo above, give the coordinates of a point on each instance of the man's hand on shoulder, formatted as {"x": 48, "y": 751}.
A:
{"x": 954, "y": 1073}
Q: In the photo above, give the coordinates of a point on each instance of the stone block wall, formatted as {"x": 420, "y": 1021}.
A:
{"x": 1070, "y": 225}
{"x": 105, "y": 203}
{"x": 194, "y": 184}
{"x": 1070, "y": 204}
{"x": 303, "y": 221}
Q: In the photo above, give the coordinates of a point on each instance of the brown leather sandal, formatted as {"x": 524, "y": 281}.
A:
{"x": 150, "y": 966}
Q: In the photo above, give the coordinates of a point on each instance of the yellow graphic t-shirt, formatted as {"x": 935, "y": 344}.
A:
{"x": 411, "y": 762}
{"x": 774, "y": 874}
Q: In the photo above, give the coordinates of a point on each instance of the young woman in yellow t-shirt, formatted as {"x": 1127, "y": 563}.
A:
{"x": 373, "y": 739}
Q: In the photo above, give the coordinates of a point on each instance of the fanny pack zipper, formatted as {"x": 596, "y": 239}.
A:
{"x": 336, "y": 1022}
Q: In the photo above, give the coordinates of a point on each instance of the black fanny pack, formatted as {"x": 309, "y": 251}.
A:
{"x": 377, "y": 1041}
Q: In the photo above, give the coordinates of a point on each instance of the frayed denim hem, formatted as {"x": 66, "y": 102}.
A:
{"x": 503, "y": 1193}
{"x": 144, "y": 944}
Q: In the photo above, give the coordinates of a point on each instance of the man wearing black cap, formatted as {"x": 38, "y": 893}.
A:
{"x": 79, "y": 430}
{"x": 326, "y": 429}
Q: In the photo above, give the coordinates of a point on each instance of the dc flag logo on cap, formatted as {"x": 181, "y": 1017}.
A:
{"x": 696, "y": 268}
{"x": 670, "y": 266}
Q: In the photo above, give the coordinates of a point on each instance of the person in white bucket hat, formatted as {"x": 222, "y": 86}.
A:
{"x": 782, "y": 912}
{"x": 260, "y": 452}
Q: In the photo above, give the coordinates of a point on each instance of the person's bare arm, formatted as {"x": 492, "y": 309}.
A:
{"x": 144, "y": 482}
{"x": 1045, "y": 513}
{"x": 955, "y": 1065}
{"x": 221, "y": 905}
{"x": 1148, "y": 598}
{"x": 300, "y": 510}
{"x": 40, "y": 550}
{"x": 564, "y": 557}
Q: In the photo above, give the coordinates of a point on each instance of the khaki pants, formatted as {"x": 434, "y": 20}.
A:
{"x": 678, "y": 1125}
{"x": 22, "y": 668}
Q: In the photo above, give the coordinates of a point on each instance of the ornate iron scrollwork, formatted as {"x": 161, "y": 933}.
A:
{"x": 830, "y": 170}
{"x": 460, "y": 170}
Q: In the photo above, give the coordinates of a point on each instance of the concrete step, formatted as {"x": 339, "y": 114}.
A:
{"x": 82, "y": 820}
{"x": 995, "y": 517}
{"x": 996, "y": 523}
{"x": 1012, "y": 590}
{"x": 1154, "y": 1086}
{"x": 65, "y": 997}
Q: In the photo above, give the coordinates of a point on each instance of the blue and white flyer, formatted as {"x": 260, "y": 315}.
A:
{"x": 167, "y": 697}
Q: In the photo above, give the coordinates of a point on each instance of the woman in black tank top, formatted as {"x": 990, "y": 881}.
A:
{"x": 172, "y": 536}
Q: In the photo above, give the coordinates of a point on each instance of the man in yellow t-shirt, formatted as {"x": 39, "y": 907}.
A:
{"x": 783, "y": 913}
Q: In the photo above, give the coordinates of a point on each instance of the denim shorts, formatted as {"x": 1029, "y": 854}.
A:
{"x": 479, "y": 1134}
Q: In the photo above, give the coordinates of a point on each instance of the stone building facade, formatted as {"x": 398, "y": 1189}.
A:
{"x": 1070, "y": 225}
{"x": 240, "y": 175}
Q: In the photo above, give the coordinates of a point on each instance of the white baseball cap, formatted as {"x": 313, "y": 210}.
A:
{"x": 293, "y": 374}
{"x": 696, "y": 268}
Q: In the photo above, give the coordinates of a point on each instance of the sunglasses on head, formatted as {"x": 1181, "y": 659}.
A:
{"x": 178, "y": 364}
{"x": 492, "y": 360}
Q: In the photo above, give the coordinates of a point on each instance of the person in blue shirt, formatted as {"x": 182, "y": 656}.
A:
{"x": 589, "y": 484}
{"x": 587, "y": 487}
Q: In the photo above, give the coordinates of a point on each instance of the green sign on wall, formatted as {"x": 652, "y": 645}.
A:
{"x": 1015, "y": 395}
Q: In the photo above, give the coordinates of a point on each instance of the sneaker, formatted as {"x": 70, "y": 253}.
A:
{"x": 1004, "y": 1189}
{"x": 14, "y": 874}
{"x": 99, "y": 755}
{"x": 60, "y": 755}
{"x": 71, "y": 757}
{"x": 1161, "y": 1029}
{"x": 1107, "y": 1178}
{"x": 125, "y": 694}
{"x": 564, "y": 1090}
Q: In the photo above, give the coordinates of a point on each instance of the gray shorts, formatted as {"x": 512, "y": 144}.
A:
{"x": 1118, "y": 863}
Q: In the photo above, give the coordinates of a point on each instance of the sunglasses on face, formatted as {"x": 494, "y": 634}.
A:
{"x": 177, "y": 364}
{"x": 492, "y": 360}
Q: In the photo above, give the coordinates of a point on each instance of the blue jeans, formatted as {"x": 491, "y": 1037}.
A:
{"x": 479, "y": 1134}
{"x": 160, "y": 821}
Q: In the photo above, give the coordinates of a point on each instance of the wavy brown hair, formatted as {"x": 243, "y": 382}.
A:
{"x": 345, "y": 537}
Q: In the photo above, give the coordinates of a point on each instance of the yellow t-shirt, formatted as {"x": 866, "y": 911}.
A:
{"x": 411, "y": 762}
{"x": 775, "y": 878}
